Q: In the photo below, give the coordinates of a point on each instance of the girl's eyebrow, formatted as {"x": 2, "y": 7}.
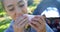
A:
{"x": 10, "y": 5}
{"x": 20, "y": 1}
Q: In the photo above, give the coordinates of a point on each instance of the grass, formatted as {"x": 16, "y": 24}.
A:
{"x": 4, "y": 24}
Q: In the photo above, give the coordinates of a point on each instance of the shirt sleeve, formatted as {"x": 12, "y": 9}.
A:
{"x": 48, "y": 29}
{"x": 10, "y": 29}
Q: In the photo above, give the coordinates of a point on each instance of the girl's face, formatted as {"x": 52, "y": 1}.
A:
{"x": 15, "y": 8}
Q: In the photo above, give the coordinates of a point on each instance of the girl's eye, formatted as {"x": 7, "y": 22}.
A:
{"x": 11, "y": 9}
{"x": 21, "y": 5}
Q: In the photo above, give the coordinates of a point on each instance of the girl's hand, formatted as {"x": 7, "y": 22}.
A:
{"x": 20, "y": 23}
{"x": 38, "y": 23}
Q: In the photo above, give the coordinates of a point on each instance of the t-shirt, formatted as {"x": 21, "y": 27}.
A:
{"x": 10, "y": 29}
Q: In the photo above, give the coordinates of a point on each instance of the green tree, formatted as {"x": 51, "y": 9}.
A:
{"x": 30, "y": 2}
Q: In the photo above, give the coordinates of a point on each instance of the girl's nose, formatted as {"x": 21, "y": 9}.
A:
{"x": 18, "y": 12}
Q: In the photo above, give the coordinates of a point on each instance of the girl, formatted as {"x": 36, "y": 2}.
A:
{"x": 16, "y": 9}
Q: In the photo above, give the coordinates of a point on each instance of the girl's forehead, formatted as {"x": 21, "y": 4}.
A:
{"x": 12, "y": 1}
{"x": 8, "y": 2}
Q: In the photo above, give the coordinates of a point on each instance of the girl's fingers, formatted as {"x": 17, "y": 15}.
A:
{"x": 41, "y": 17}
{"x": 37, "y": 20}
{"x": 32, "y": 25}
{"x": 19, "y": 20}
{"x": 23, "y": 22}
{"x": 36, "y": 24}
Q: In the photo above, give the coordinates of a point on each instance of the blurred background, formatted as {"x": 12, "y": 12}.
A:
{"x": 34, "y": 5}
